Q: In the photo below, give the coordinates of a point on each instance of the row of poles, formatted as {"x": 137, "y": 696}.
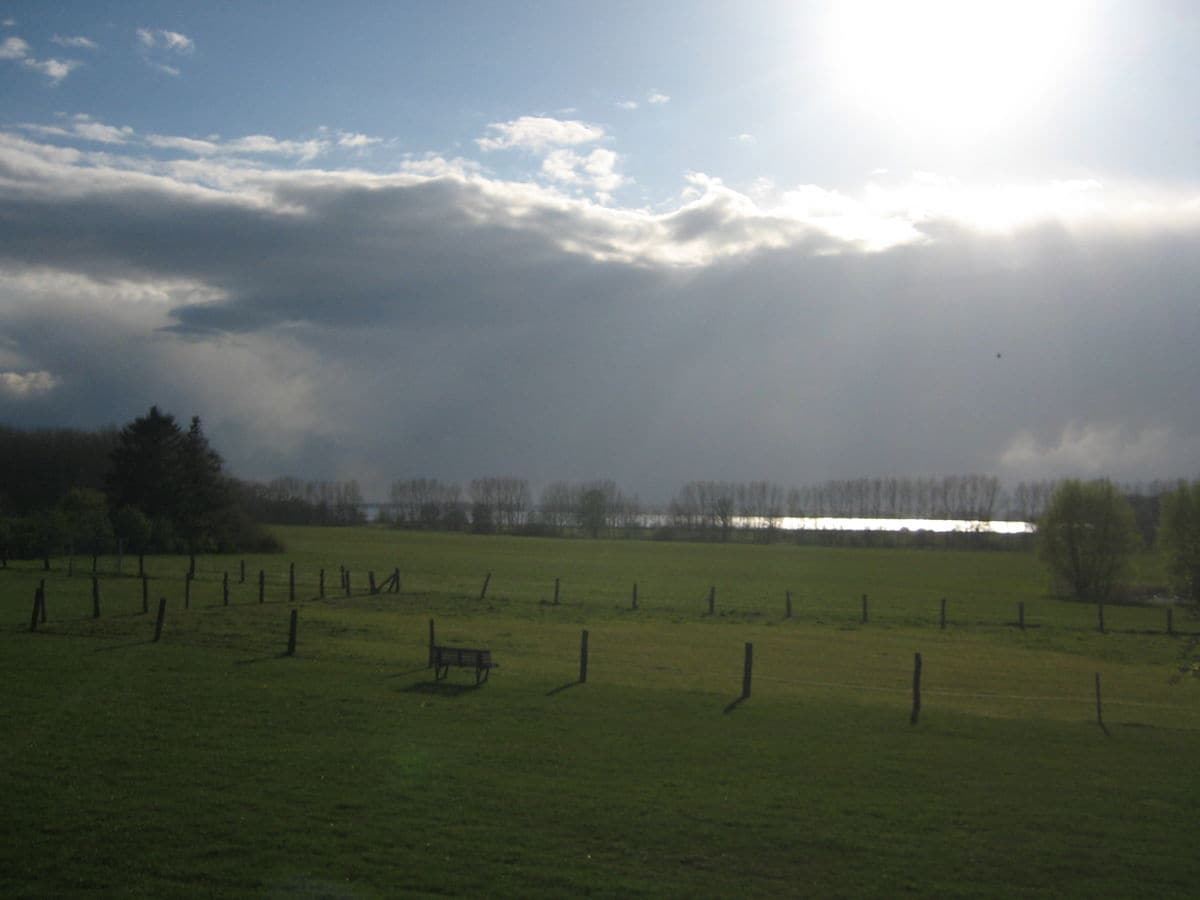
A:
{"x": 392, "y": 585}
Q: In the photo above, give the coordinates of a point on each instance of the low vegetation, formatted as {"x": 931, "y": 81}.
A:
{"x": 209, "y": 762}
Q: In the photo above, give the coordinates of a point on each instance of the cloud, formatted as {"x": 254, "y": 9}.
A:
{"x": 74, "y": 41}
{"x": 744, "y": 138}
{"x": 161, "y": 38}
{"x": 538, "y": 133}
{"x": 657, "y": 98}
{"x": 338, "y": 323}
{"x": 104, "y": 134}
{"x": 596, "y": 171}
{"x": 356, "y": 141}
{"x": 628, "y": 104}
{"x": 13, "y": 48}
{"x": 27, "y": 384}
{"x": 16, "y": 49}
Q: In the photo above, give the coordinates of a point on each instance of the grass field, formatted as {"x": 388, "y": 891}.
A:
{"x": 209, "y": 763}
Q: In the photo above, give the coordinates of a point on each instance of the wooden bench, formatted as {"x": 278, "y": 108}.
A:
{"x": 465, "y": 657}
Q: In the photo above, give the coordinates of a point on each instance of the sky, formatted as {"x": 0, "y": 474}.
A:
{"x": 650, "y": 242}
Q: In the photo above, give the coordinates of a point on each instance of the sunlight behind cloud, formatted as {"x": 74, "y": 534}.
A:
{"x": 952, "y": 70}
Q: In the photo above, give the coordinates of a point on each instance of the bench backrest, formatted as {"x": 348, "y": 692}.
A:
{"x": 462, "y": 656}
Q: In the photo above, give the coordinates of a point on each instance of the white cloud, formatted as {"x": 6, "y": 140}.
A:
{"x": 356, "y": 141}
{"x": 27, "y": 384}
{"x": 13, "y": 48}
{"x": 161, "y": 38}
{"x": 745, "y": 138}
{"x": 250, "y": 145}
{"x": 596, "y": 171}
{"x": 188, "y": 145}
{"x": 628, "y": 104}
{"x": 538, "y": 133}
{"x": 658, "y": 98}
{"x": 104, "y": 134}
{"x": 173, "y": 71}
{"x": 54, "y": 69}
{"x": 73, "y": 41}
{"x": 9, "y": 23}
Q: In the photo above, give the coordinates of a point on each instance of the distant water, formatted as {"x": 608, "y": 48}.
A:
{"x": 854, "y": 523}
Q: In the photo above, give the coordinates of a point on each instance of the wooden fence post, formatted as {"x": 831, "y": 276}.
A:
{"x": 556, "y": 591}
{"x": 145, "y": 594}
{"x": 712, "y": 599}
{"x": 346, "y": 579}
{"x": 37, "y": 609}
{"x": 635, "y": 599}
{"x": 192, "y": 564}
{"x": 291, "y": 582}
{"x": 916, "y": 703}
{"x": 747, "y": 670}
{"x": 158, "y": 623}
{"x": 262, "y": 586}
{"x": 41, "y": 595}
{"x": 321, "y": 585}
{"x": 291, "y": 650}
{"x": 396, "y": 580}
{"x": 224, "y": 588}
{"x": 583, "y": 657}
{"x": 943, "y": 616}
{"x": 1099, "y": 711}
{"x": 486, "y": 581}
{"x": 788, "y": 594}
{"x": 431, "y": 643}
{"x": 95, "y": 597}
{"x": 242, "y": 573}
{"x": 864, "y": 609}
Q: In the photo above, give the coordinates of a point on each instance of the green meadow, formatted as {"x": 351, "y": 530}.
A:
{"x": 212, "y": 763}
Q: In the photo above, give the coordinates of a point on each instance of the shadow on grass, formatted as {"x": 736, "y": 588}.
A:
{"x": 407, "y": 672}
{"x": 562, "y": 687}
{"x": 735, "y": 704}
{"x": 441, "y": 688}
{"x": 125, "y": 646}
{"x": 259, "y": 659}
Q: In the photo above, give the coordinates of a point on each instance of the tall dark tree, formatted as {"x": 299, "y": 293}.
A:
{"x": 173, "y": 477}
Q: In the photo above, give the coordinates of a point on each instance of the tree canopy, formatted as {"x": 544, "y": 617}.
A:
{"x": 1086, "y": 537}
{"x": 173, "y": 478}
{"x": 1179, "y": 538}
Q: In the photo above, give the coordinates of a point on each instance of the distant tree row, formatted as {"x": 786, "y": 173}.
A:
{"x": 291, "y": 501}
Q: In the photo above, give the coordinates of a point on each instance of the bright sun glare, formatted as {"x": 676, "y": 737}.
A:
{"x": 953, "y": 70}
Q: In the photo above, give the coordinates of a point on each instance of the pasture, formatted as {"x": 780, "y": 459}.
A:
{"x": 209, "y": 762}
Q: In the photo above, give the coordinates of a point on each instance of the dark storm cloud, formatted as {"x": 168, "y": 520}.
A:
{"x": 454, "y": 326}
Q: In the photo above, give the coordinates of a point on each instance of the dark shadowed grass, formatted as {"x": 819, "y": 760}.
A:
{"x": 211, "y": 764}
